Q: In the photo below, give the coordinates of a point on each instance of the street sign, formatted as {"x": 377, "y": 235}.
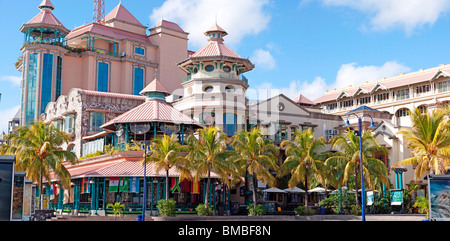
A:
{"x": 6, "y": 186}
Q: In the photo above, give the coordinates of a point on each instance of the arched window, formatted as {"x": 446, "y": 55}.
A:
{"x": 422, "y": 109}
{"x": 403, "y": 112}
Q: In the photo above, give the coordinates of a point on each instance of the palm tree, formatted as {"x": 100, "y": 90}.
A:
{"x": 117, "y": 209}
{"x": 209, "y": 152}
{"x": 258, "y": 155}
{"x": 302, "y": 159}
{"x": 348, "y": 159}
{"x": 165, "y": 155}
{"x": 38, "y": 152}
{"x": 429, "y": 142}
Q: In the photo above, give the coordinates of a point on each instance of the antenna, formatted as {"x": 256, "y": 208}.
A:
{"x": 99, "y": 11}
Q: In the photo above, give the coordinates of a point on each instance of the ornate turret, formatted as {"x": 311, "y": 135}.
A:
{"x": 43, "y": 51}
{"x": 214, "y": 88}
{"x": 44, "y": 27}
{"x": 216, "y": 33}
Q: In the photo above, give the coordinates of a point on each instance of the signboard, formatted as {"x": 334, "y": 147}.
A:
{"x": 396, "y": 197}
{"x": 439, "y": 197}
{"x": 6, "y": 186}
{"x": 369, "y": 198}
{"x": 18, "y": 191}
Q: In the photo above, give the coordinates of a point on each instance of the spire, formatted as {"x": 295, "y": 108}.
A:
{"x": 46, "y": 5}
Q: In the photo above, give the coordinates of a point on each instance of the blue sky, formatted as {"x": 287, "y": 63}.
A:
{"x": 306, "y": 46}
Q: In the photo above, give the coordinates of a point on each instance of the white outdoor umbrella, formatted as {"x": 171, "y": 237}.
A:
{"x": 317, "y": 189}
{"x": 274, "y": 189}
{"x": 294, "y": 190}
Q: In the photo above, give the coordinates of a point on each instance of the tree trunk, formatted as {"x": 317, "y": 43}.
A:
{"x": 306, "y": 191}
{"x": 167, "y": 184}
{"x": 356, "y": 187}
{"x": 207, "y": 189}
{"x": 40, "y": 188}
{"x": 255, "y": 184}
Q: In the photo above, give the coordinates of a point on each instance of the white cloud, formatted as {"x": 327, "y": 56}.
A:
{"x": 311, "y": 90}
{"x": 352, "y": 74}
{"x": 239, "y": 18}
{"x": 263, "y": 59}
{"x": 348, "y": 74}
{"x": 15, "y": 80}
{"x": 5, "y": 116}
{"x": 404, "y": 14}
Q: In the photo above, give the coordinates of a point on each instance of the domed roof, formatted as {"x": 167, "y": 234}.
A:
{"x": 45, "y": 18}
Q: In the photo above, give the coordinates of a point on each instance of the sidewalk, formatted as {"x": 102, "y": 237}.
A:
{"x": 385, "y": 217}
{"x": 187, "y": 218}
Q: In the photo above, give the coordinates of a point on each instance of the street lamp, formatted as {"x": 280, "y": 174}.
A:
{"x": 142, "y": 129}
{"x": 372, "y": 125}
{"x": 145, "y": 181}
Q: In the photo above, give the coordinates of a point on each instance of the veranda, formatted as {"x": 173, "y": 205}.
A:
{"x": 91, "y": 195}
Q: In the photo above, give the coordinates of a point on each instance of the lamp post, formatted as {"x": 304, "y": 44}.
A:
{"x": 361, "y": 157}
{"x": 145, "y": 181}
{"x": 142, "y": 129}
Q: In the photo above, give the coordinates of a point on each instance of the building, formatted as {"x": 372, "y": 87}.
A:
{"x": 214, "y": 88}
{"x": 390, "y": 102}
{"x": 110, "y": 83}
{"x": 81, "y": 113}
{"x": 115, "y": 56}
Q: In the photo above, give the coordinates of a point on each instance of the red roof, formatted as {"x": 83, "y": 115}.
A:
{"x": 107, "y": 31}
{"x": 216, "y": 28}
{"x": 46, "y": 3}
{"x": 170, "y": 25}
{"x": 155, "y": 86}
{"x": 113, "y": 95}
{"x": 122, "y": 14}
{"x": 214, "y": 49}
{"x": 388, "y": 83}
{"x": 151, "y": 111}
{"x": 303, "y": 100}
{"x": 46, "y": 16}
{"x": 120, "y": 167}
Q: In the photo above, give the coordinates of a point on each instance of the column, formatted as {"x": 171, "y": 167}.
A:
{"x": 42, "y": 30}
{"x": 60, "y": 198}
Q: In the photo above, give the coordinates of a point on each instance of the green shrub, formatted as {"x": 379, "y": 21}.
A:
{"x": 302, "y": 211}
{"x": 166, "y": 207}
{"x": 356, "y": 210}
{"x": 260, "y": 210}
{"x": 423, "y": 204}
{"x": 203, "y": 211}
{"x": 97, "y": 153}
